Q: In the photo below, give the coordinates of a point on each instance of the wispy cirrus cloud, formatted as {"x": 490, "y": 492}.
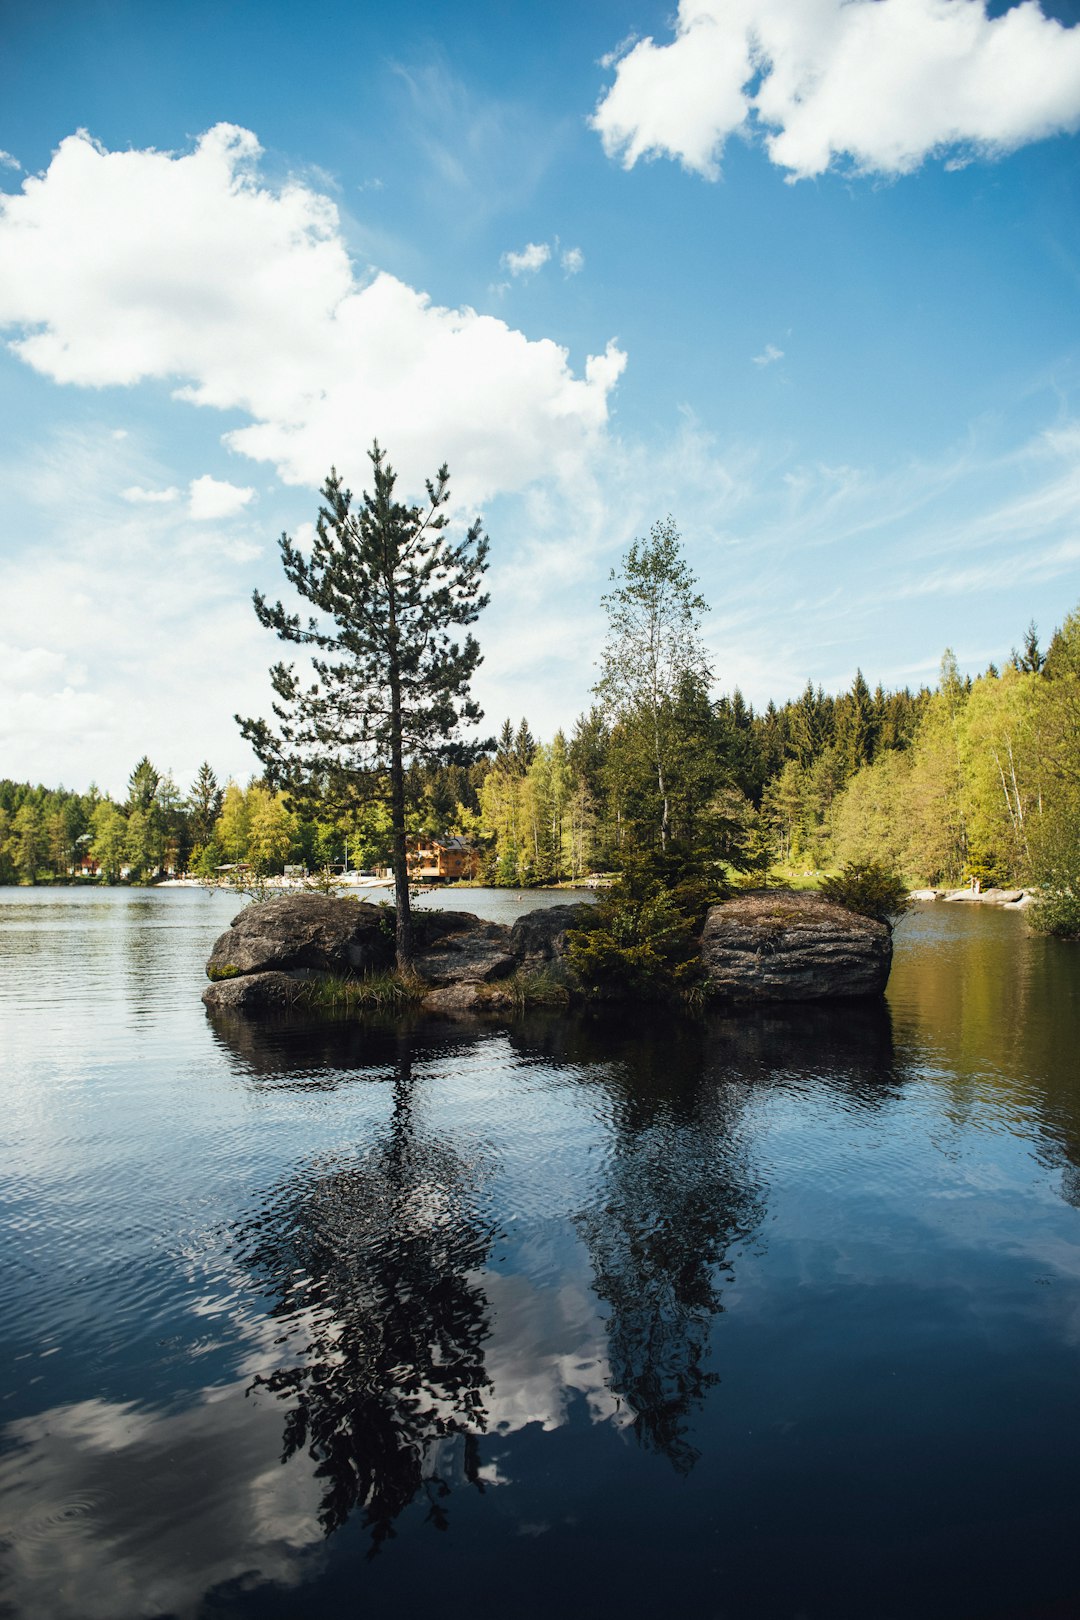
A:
{"x": 769, "y": 355}
{"x": 135, "y": 495}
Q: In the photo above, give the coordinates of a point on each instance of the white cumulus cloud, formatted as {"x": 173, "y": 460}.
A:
{"x": 121, "y": 266}
{"x": 573, "y": 260}
{"x": 882, "y": 83}
{"x": 212, "y": 498}
{"x": 533, "y": 257}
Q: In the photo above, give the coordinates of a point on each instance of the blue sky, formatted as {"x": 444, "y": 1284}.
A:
{"x": 803, "y": 275}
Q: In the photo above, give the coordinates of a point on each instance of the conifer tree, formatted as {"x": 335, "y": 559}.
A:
{"x": 390, "y": 685}
{"x": 524, "y": 747}
{"x": 143, "y": 786}
{"x": 504, "y": 748}
{"x": 204, "y": 803}
{"x": 855, "y": 726}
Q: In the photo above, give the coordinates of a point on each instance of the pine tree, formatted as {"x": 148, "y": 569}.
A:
{"x": 504, "y": 748}
{"x": 204, "y": 803}
{"x": 1031, "y": 660}
{"x": 142, "y": 786}
{"x": 855, "y": 726}
{"x": 811, "y": 729}
{"x": 524, "y": 747}
{"x": 390, "y": 685}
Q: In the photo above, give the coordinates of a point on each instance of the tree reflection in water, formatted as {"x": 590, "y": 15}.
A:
{"x": 680, "y": 1192}
{"x": 374, "y": 1261}
{"x": 677, "y": 1195}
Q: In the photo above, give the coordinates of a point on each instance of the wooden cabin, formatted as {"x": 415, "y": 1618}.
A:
{"x": 442, "y": 860}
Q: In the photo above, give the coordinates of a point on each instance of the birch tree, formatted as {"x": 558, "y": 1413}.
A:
{"x": 653, "y": 651}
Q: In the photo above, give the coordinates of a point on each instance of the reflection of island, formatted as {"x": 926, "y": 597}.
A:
{"x": 371, "y": 1264}
{"x": 396, "y": 1326}
{"x": 845, "y": 1047}
{"x": 322, "y": 1051}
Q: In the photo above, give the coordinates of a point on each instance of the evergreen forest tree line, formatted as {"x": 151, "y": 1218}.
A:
{"x": 968, "y": 779}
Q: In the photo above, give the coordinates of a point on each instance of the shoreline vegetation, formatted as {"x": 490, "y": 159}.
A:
{"x": 971, "y": 784}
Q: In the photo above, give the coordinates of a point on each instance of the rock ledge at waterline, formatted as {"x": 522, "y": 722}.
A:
{"x": 768, "y": 945}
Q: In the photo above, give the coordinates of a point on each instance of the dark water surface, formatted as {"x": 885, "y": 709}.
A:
{"x": 767, "y": 1315}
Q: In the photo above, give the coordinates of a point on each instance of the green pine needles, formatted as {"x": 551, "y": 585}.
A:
{"x": 389, "y": 684}
{"x": 642, "y": 936}
{"x": 868, "y": 888}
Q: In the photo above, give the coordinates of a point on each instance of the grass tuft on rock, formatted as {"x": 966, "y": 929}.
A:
{"x": 375, "y": 992}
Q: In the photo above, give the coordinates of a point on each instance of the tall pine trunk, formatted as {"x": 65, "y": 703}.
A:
{"x": 402, "y": 912}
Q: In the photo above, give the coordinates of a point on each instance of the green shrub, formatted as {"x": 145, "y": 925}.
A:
{"x": 542, "y": 987}
{"x": 641, "y": 939}
{"x": 868, "y": 888}
{"x": 1055, "y": 870}
{"x": 1057, "y": 912}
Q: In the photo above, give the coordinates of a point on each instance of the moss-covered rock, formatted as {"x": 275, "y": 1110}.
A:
{"x": 784, "y": 945}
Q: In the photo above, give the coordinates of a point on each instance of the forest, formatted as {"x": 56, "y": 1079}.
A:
{"x": 967, "y": 779}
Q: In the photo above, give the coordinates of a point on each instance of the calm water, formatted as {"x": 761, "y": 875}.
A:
{"x": 769, "y": 1315}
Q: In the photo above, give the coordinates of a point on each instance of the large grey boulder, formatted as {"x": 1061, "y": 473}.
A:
{"x": 779, "y": 945}
{"x": 538, "y": 939}
{"x": 454, "y": 947}
{"x": 986, "y": 897}
{"x": 309, "y": 932}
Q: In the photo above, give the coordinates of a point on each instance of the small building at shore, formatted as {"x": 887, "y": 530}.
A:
{"x": 442, "y": 860}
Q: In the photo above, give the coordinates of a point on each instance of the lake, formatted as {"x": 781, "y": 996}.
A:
{"x": 761, "y": 1314}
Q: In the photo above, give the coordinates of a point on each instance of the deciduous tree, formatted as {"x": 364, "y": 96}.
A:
{"x": 653, "y": 651}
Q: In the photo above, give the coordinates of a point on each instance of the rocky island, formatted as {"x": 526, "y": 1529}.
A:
{"x": 760, "y": 946}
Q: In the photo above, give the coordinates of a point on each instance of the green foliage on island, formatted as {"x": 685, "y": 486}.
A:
{"x": 396, "y": 991}
{"x": 1057, "y": 910}
{"x": 641, "y": 938}
{"x": 536, "y": 987}
{"x": 868, "y": 888}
